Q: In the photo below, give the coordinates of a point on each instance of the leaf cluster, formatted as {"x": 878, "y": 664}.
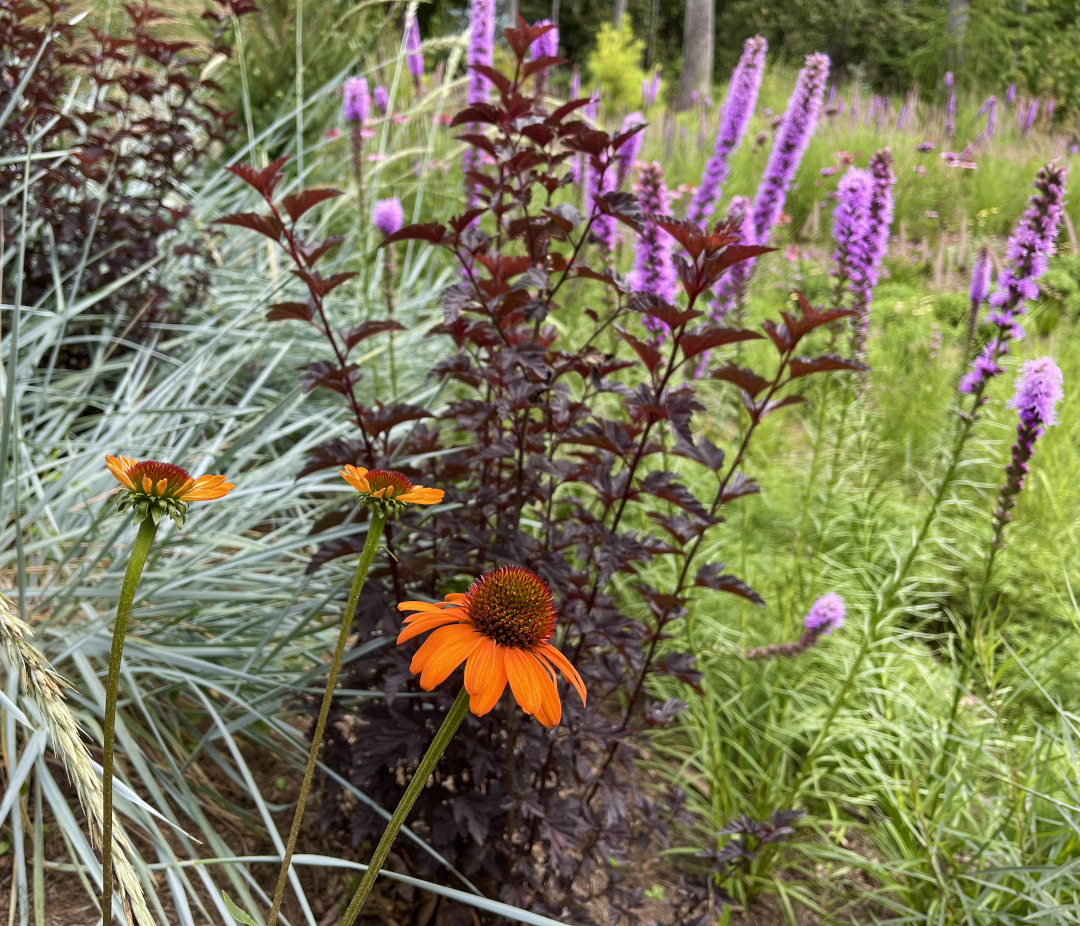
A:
{"x": 557, "y": 451}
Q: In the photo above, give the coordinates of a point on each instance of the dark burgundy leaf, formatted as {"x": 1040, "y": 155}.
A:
{"x": 301, "y": 311}
{"x": 804, "y": 366}
{"x": 425, "y": 231}
{"x": 296, "y": 204}
{"x": 747, "y": 380}
{"x": 267, "y": 225}
{"x": 367, "y": 329}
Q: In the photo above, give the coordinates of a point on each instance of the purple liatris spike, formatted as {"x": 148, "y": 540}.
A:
{"x": 793, "y": 136}
{"x": 575, "y": 83}
{"x": 977, "y": 294}
{"x": 1029, "y": 122}
{"x": 481, "y": 46}
{"x": 980, "y": 277}
{"x": 654, "y": 87}
{"x": 734, "y": 118}
{"x": 1050, "y": 111}
{"x": 851, "y": 231}
{"x": 357, "y": 99}
{"x": 881, "y": 215}
{"x": 387, "y": 216}
{"x": 545, "y": 46}
{"x": 481, "y": 49}
{"x": 629, "y": 150}
{"x": 1027, "y": 253}
{"x": 414, "y": 55}
{"x": 381, "y": 97}
{"x": 950, "y": 108}
{"x": 825, "y": 615}
{"x": 653, "y": 270}
{"x": 1010, "y": 96}
{"x": 1038, "y": 391}
{"x": 731, "y": 290}
{"x": 603, "y": 226}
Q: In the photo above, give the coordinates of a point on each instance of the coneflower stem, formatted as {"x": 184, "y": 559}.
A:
{"x": 419, "y": 780}
{"x": 140, "y": 549}
{"x": 371, "y": 545}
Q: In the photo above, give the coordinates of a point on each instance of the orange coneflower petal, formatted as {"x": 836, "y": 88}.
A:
{"x": 418, "y": 495}
{"x": 426, "y": 623}
{"x": 435, "y": 606}
{"x": 564, "y": 665}
{"x": 454, "y": 644}
{"x": 208, "y": 488}
{"x": 119, "y": 468}
{"x": 527, "y": 679}
{"x": 456, "y": 597}
{"x": 480, "y": 666}
{"x": 355, "y": 476}
{"x": 550, "y": 712}
{"x": 493, "y": 680}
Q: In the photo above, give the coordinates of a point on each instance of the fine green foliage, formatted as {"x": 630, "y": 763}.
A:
{"x": 614, "y": 66}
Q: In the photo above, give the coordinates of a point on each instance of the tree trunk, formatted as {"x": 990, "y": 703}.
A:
{"x": 697, "y": 51}
{"x": 512, "y": 13}
{"x": 654, "y": 22}
{"x": 620, "y": 12}
{"x": 956, "y": 23}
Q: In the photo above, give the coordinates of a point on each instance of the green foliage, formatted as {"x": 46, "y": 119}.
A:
{"x": 615, "y": 65}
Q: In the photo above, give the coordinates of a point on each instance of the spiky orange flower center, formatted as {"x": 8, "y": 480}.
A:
{"x": 165, "y": 479}
{"x": 387, "y": 483}
{"x": 512, "y": 606}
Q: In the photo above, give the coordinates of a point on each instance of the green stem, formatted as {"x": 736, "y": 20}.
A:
{"x": 371, "y": 545}
{"x": 140, "y": 549}
{"x": 419, "y": 780}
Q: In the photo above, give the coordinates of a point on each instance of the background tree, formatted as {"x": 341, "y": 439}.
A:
{"x": 697, "y": 50}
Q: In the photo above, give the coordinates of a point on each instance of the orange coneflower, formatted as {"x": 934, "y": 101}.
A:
{"x": 387, "y": 489}
{"x": 154, "y": 488}
{"x": 499, "y": 628}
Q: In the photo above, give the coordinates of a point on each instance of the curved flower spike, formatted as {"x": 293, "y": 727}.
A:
{"x": 154, "y": 488}
{"x": 500, "y": 629}
{"x": 387, "y": 489}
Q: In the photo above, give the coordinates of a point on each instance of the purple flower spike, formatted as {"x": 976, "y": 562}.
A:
{"x": 381, "y": 97}
{"x": 980, "y": 277}
{"x": 792, "y": 138}
{"x": 881, "y": 216}
{"x": 734, "y": 118}
{"x": 387, "y": 216}
{"x": 629, "y": 150}
{"x": 851, "y": 230}
{"x": 950, "y": 108}
{"x": 1029, "y": 122}
{"x": 826, "y": 614}
{"x": 731, "y": 289}
{"x": 546, "y": 46}
{"x": 653, "y": 270}
{"x": 1029, "y": 248}
{"x": 414, "y": 55}
{"x": 481, "y": 46}
{"x": 357, "y": 99}
{"x": 575, "y": 83}
{"x": 1038, "y": 391}
{"x": 481, "y": 49}
{"x": 1010, "y": 96}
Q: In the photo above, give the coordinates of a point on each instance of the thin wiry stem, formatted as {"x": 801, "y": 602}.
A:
{"x": 140, "y": 549}
{"x": 371, "y": 545}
